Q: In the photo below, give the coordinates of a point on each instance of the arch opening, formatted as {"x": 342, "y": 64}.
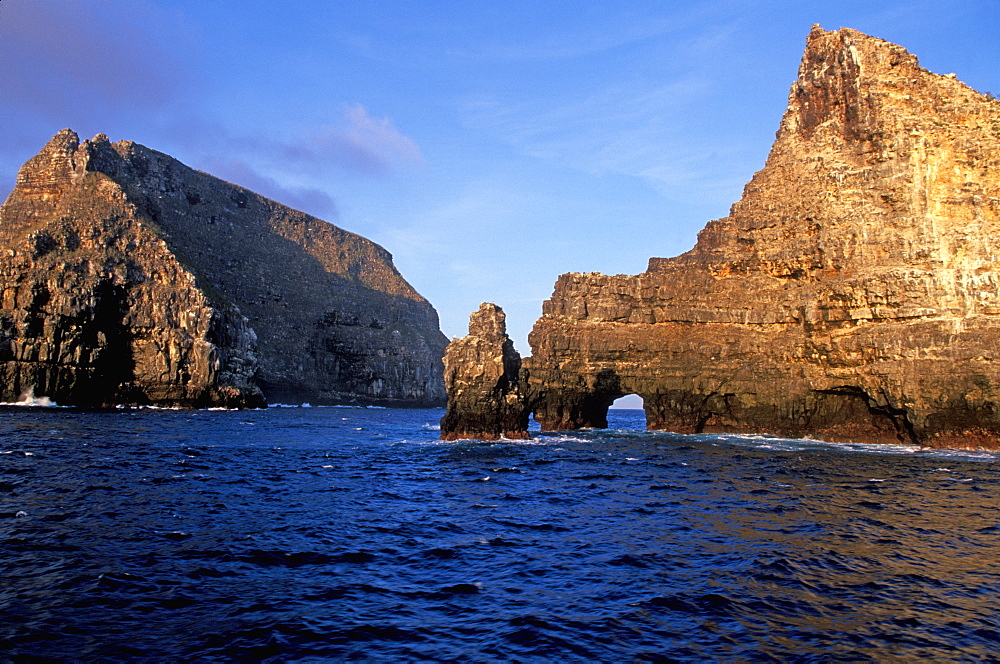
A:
{"x": 628, "y": 402}
{"x": 628, "y": 413}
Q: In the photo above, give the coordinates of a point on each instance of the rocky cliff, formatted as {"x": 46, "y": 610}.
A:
{"x": 851, "y": 294}
{"x": 129, "y": 278}
{"x": 482, "y": 376}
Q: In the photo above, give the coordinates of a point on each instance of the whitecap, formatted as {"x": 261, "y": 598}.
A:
{"x": 28, "y": 398}
{"x": 562, "y": 438}
{"x": 803, "y": 444}
{"x": 961, "y": 455}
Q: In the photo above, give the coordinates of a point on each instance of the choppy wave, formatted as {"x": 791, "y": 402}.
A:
{"x": 311, "y": 534}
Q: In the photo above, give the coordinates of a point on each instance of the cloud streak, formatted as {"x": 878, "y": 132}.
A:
{"x": 635, "y": 123}
{"x": 623, "y": 128}
{"x": 357, "y": 143}
{"x": 308, "y": 199}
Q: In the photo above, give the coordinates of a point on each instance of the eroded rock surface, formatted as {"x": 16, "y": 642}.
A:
{"x": 482, "y": 376}
{"x": 851, "y": 294}
{"x": 129, "y": 278}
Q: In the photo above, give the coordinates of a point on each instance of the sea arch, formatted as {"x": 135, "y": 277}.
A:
{"x": 584, "y": 403}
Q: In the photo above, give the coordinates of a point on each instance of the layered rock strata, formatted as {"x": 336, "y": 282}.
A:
{"x": 129, "y": 278}
{"x": 850, "y": 295}
{"x": 482, "y": 377}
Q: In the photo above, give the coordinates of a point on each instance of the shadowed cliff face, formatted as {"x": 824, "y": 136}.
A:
{"x": 851, "y": 294}
{"x": 131, "y": 278}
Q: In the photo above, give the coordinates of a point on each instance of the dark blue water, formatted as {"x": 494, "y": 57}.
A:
{"x": 330, "y": 534}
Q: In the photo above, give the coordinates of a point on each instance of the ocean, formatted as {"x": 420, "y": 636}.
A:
{"x": 328, "y": 534}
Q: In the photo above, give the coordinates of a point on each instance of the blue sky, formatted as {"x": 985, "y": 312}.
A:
{"x": 490, "y": 146}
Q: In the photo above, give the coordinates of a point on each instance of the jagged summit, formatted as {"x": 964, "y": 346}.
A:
{"x": 275, "y": 301}
{"x": 867, "y": 131}
{"x": 850, "y": 294}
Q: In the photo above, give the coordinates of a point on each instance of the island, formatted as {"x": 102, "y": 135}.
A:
{"x": 850, "y": 295}
{"x": 129, "y": 279}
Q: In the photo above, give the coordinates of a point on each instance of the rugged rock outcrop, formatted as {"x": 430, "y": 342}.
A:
{"x": 128, "y": 278}
{"x": 851, "y": 294}
{"x": 482, "y": 376}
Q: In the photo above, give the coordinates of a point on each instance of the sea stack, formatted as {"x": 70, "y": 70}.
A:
{"x": 482, "y": 376}
{"x": 850, "y": 295}
{"x": 128, "y": 278}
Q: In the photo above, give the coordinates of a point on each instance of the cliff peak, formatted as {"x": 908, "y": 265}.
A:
{"x": 54, "y": 164}
{"x": 489, "y": 322}
{"x": 836, "y": 74}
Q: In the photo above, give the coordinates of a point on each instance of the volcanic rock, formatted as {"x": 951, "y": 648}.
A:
{"x": 482, "y": 377}
{"x": 850, "y": 295}
{"x": 128, "y": 278}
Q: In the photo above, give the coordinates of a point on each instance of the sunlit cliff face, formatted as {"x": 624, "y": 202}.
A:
{"x": 851, "y": 294}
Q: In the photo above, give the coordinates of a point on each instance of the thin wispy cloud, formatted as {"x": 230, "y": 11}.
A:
{"x": 634, "y": 123}
{"x": 308, "y": 199}
{"x": 624, "y": 128}
{"x": 603, "y": 28}
{"x": 358, "y": 142}
{"x": 297, "y": 169}
{"x": 526, "y": 33}
{"x": 355, "y": 142}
